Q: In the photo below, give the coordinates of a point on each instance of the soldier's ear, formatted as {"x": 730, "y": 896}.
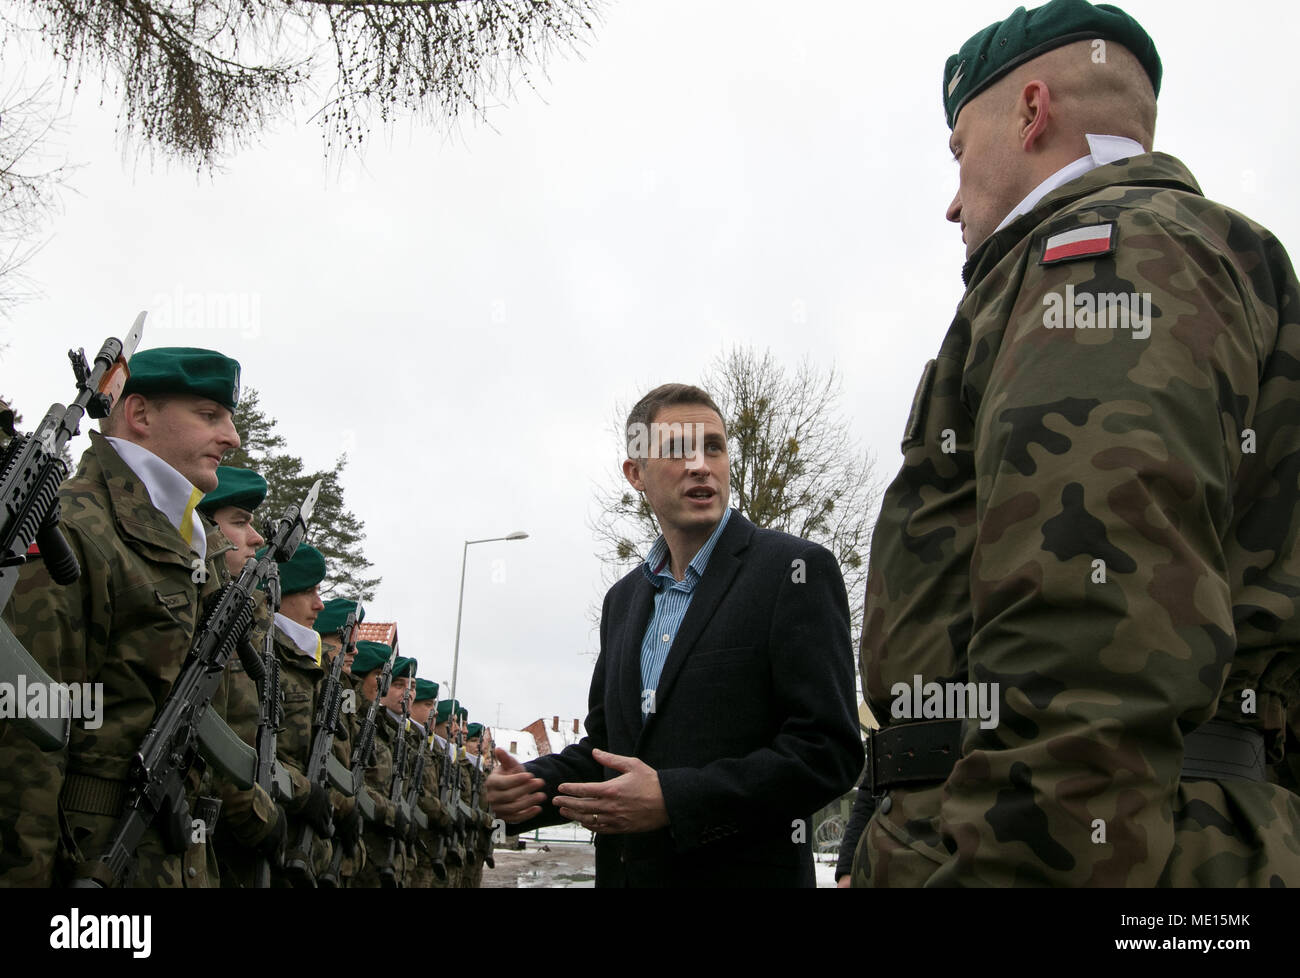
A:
{"x": 134, "y": 421}
{"x": 1033, "y": 111}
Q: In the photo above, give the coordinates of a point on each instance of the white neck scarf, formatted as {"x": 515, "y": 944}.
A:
{"x": 170, "y": 492}
{"x": 305, "y": 639}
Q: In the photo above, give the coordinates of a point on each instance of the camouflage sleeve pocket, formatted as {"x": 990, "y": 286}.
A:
{"x": 914, "y": 431}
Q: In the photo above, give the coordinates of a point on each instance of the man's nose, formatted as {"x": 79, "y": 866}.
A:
{"x": 228, "y": 434}
{"x": 954, "y": 209}
{"x": 695, "y": 458}
{"x": 257, "y": 539}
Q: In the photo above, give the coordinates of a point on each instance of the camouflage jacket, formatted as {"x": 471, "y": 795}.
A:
{"x": 300, "y": 677}
{"x": 127, "y": 622}
{"x": 439, "y": 817}
{"x": 1102, "y": 522}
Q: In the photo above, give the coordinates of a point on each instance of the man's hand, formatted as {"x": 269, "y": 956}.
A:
{"x": 511, "y": 792}
{"x": 845, "y": 883}
{"x": 633, "y": 802}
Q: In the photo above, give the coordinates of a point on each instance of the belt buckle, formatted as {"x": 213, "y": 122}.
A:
{"x": 871, "y": 765}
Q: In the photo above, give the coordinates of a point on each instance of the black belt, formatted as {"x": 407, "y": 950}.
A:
{"x": 925, "y": 752}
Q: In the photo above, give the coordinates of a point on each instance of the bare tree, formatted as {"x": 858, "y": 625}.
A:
{"x": 29, "y": 184}
{"x": 199, "y": 78}
{"x": 794, "y": 467}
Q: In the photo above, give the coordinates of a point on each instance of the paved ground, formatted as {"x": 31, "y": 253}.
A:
{"x": 565, "y": 864}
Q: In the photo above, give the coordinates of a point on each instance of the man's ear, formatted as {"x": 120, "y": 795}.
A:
{"x": 1032, "y": 114}
{"x": 632, "y": 472}
{"x": 135, "y": 421}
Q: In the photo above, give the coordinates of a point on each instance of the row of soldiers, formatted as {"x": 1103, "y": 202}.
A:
{"x": 429, "y": 826}
{"x": 158, "y": 529}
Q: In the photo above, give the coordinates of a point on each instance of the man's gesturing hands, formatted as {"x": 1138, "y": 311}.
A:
{"x": 632, "y": 802}
{"x": 511, "y": 792}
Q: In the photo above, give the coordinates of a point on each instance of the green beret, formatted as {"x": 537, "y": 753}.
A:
{"x": 425, "y": 689}
{"x": 184, "y": 370}
{"x": 403, "y": 667}
{"x": 474, "y": 730}
{"x": 445, "y": 708}
{"x": 464, "y": 713}
{"x": 1026, "y": 34}
{"x": 335, "y": 615}
{"x": 303, "y": 571}
{"x": 370, "y": 656}
{"x": 235, "y": 487}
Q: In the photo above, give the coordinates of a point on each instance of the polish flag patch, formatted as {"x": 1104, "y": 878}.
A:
{"x": 1084, "y": 242}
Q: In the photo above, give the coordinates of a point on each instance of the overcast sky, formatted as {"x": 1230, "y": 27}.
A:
{"x": 461, "y": 313}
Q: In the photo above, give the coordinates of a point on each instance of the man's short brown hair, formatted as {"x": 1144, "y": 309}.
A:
{"x": 666, "y": 395}
{"x": 111, "y": 425}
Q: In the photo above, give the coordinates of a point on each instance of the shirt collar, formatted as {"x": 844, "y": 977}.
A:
{"x": 656, "y": 562}
{"x": 1101, "y": 150}
{"x": 173, "y": 494}
{"x": 305, "y": 639}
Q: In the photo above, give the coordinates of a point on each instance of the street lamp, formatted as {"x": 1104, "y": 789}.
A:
{"x": 460, "y": 607}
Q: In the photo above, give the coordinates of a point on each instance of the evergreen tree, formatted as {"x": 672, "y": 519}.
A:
{"x": 335, "y": 531}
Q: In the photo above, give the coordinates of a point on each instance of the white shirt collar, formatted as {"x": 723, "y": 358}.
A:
{"x": 441, "y": 743}
{"x": 1101, "y": 150}
{"x": 305, "y": 639}
{"x": 170, "y": 492}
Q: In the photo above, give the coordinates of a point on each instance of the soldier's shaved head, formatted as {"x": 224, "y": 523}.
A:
{"x": 1026, "y": 126}
{"x": 1111, "y": 97}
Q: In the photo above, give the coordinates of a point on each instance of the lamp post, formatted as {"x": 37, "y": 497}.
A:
{"x": 460, "y": 607}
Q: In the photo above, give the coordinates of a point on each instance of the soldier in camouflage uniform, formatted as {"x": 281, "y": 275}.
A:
{"x": 480, "y": 833}
{"x": 1097, "y": 512}
{"x": 253, "y": 825}
{"x": 470, "y": 867}
{"x": 422, "y": 875}
{"x": 298, "y": 648}
{"x": 444, "y": 748}
{"x": 148, "y": 563}
{"x": 366, "y": 668}
{"x": 348, "y": 820}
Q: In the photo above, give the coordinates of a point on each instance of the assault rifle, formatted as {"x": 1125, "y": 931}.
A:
{"x": 363, "y": 755}
{"x": 397, "y": 790}
{"x": 270, "y": 714}
{"x": 326, "y": 726}
{"x": 484, "y": 755}
{"x": 463, "y": 814}
{"x": 31, "y": 470}
{"x": 447, "y": 852}
{"x": 156, "y": 781}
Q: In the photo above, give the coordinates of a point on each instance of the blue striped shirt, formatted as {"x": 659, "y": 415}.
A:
{"x": 672, "y": 598}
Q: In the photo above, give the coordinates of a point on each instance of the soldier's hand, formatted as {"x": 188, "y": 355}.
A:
{"x": 272, "y": 847}
{"x": 318, "y": 811}
{"x": 846, "y": 881}
{"x": 401, "y": 825}
{"x": 632, "y": 802}
{"x": 349, "y": 830}
{"x": 511, "y": 791}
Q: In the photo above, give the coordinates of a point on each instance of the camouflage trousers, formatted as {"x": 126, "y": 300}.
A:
{"x": 1225, "y": 833}
{"x": 87, "y": 835}
{"x": 377, "y": 845}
